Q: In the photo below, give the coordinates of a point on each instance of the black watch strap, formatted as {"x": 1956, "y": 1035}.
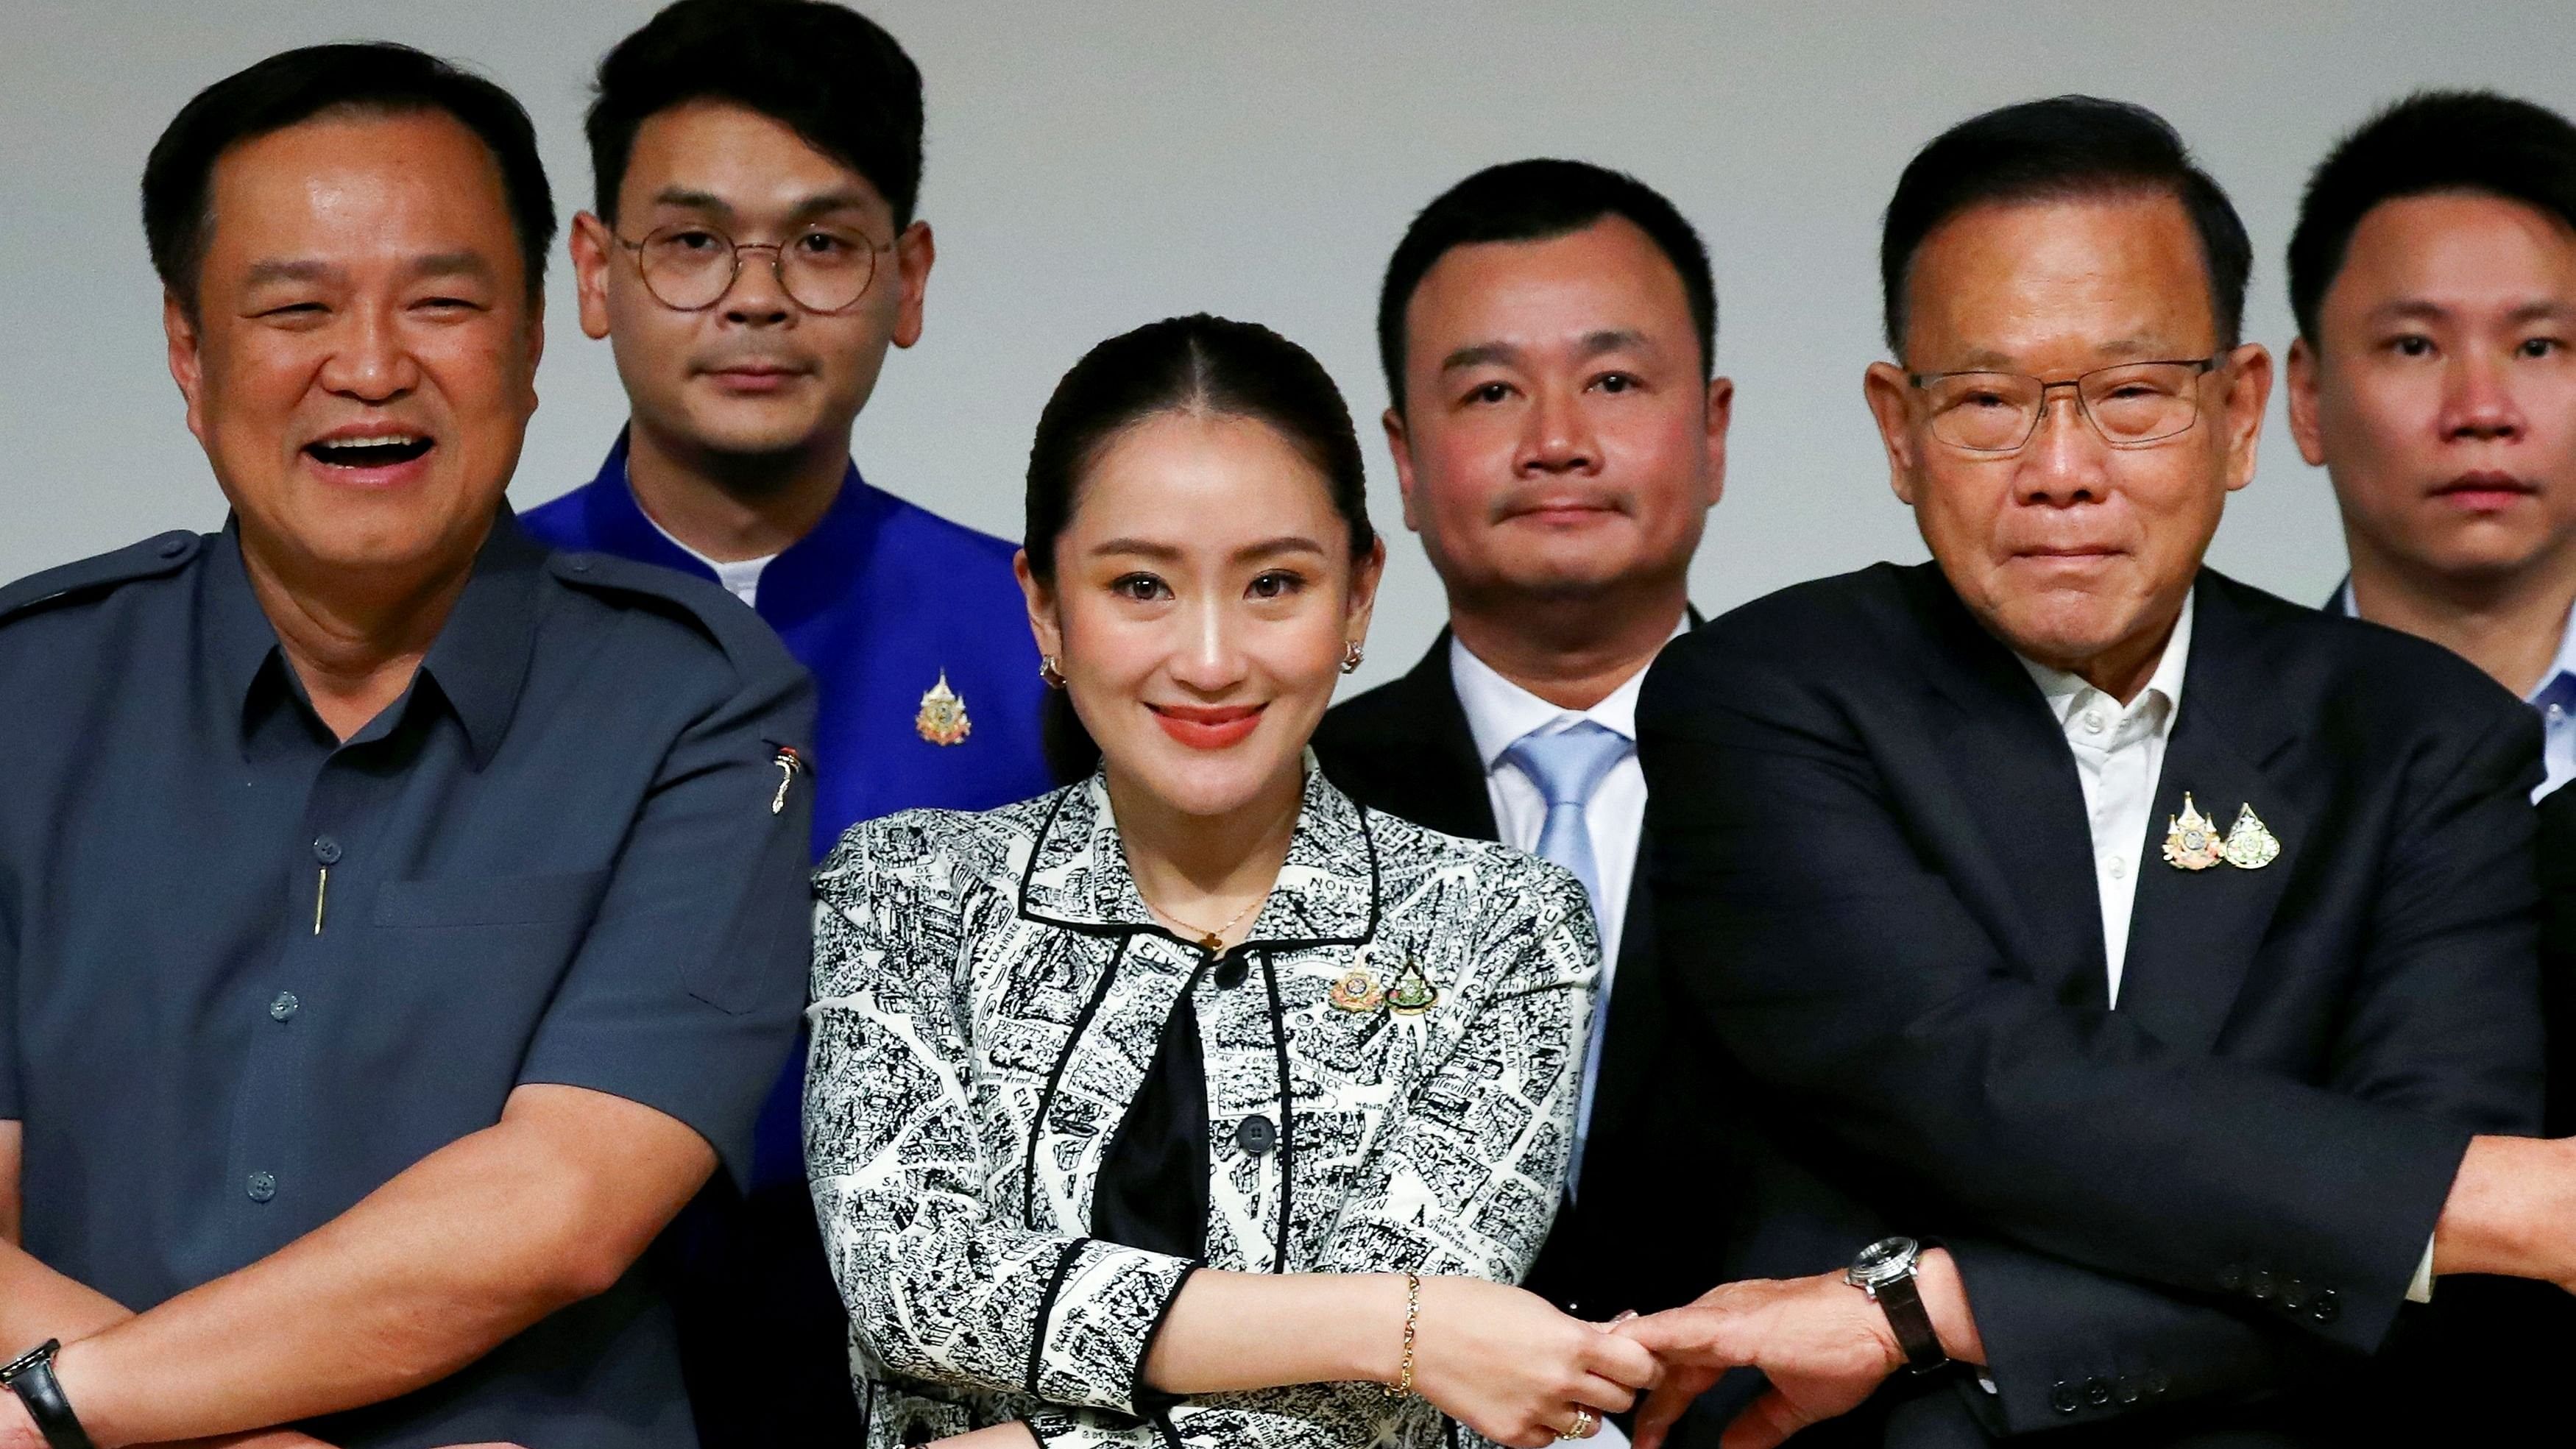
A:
{"x": 1906, "y": 1314}
{"x": 32, "y": 1379}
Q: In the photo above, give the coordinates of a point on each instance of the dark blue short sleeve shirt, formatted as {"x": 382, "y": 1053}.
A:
{"x": 249, "y": 972}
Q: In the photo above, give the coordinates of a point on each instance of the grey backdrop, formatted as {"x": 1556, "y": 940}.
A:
{"x": 1096, "y": 166}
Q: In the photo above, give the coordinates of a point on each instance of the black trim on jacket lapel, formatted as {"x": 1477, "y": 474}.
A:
{"x": 1055, "y": 1076}
{"x": 1290, "y": 900}
{"x": 1287, "y": 1114}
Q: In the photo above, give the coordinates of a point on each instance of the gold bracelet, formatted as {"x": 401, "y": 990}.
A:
{"x": 1403, "y": 1386}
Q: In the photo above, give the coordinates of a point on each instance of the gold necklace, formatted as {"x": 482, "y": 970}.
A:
{"x": 1208, "y": 940}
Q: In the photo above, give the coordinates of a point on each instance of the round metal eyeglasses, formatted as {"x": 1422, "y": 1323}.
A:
{"x": 690, "y": 266}
{"x": 2130, "y": 404}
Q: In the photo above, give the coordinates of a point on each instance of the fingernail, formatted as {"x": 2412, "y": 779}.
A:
{"x": 1625, "y": 1316}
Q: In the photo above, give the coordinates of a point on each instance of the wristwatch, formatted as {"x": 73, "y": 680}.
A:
{"x": 1885, "y": 1271}
{"x": 31, "y": 1377}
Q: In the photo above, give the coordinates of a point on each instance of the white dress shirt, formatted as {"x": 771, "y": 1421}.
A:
{"x": 2554, "y": 696}
{"x": 1499, "y": 712}
{"x": 2119, "y": 756}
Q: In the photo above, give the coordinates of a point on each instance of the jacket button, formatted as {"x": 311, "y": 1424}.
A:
{"x": 2325, "y": 1309}
{"x": 260, "y": 1186}
{"x": 2294, "y": 1295}
{"x": 1256, "y": 1134}
{"x": 2232, "y": 1277}
{"x": 2063, "y": 1397}
{"x": 2158, "y": 1381}
{"x": 1231, "y": 968}
{"x": 2261, "y": 1286}
{"x": 2097, "y": 1392}
{"x": 174, "y": 546}
{"x": 2132, "y": 1387}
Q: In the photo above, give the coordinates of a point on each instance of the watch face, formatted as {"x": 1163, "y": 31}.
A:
{"x": 1885, "y": 1259}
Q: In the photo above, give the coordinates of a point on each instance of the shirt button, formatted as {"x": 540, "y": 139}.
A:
{"x": 326, "y": 850}
{"x": 2557, "y": 714}
{"x": 2118, "y": 866}
{"x": 261, "y": 1187}
{"x": 284, "y": 1006}
{"x": 1256, "y": 1134}
{"x": 173, "y": 547}
{"x": 2093, "y": 721}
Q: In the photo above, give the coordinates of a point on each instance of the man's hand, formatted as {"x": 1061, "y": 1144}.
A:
{"x": 1824, "y": 1345}
{"x": 2512, "y": 1210}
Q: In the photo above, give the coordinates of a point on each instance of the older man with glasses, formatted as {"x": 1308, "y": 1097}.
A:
{"x": 753, "y": 255}
{"x": 2096, "y": 985}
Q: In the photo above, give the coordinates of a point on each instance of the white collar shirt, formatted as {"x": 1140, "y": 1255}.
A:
{"x": 2554, "y": 696}
{"x": 740, "y": 577}
{"x": 1499, "y": 713}
{"x": 2119, "y": 756}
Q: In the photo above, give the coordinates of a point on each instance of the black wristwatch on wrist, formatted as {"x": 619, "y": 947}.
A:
{"x": 31, "y": 1378}
{"x": 1885, "y": 1271}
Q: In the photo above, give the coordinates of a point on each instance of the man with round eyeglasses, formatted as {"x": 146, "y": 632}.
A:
{"x": 2101, "y": 996}
{"x": 753, "y": 255}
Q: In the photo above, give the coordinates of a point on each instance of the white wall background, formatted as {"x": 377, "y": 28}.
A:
{"x": 1095, "y": 166}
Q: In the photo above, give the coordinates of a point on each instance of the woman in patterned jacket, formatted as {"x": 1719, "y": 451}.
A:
{"x": 1193, "y": 1104}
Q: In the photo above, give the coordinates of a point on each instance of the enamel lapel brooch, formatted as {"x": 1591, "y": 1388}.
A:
{"x": 942, "y": 720}
{"x": 2192, "y": 841}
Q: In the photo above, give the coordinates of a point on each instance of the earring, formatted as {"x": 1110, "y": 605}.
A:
{"x": 1047, "y": 671}
{"x": 1351, "y": 655}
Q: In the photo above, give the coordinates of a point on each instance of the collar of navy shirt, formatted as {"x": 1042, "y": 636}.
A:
{"x": 478, "y": 663}
{"x": 2193, "y": 935}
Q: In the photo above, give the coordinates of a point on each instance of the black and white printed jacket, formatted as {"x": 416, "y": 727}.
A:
{"x": 989, "y": 992}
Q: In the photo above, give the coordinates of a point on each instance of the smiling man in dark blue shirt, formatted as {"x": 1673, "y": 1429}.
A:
{"x": 398, "y": 922}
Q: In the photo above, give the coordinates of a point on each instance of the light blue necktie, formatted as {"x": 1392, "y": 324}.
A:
{"x": 1567, "y": 767}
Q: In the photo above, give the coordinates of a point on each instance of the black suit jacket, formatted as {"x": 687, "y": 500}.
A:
{"x": 1886, "y": 995}
{"x": 1405, "y": 748}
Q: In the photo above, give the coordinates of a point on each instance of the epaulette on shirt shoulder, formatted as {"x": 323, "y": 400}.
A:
{"x": 746, "y": 641}
{"x": 153, "y": 558}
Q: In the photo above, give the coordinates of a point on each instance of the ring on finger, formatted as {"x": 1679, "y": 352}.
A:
{"x": 1586, "y": 1424}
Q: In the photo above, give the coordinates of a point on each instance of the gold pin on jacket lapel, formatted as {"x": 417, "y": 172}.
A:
{"x": 2191, "y": 839}
{"x": 942, "y": 719}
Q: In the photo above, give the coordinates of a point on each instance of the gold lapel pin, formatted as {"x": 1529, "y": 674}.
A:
{"x": 1357, "y": 991}
{"x": 1412, "y": 994}
{"x": 942, "y": 720}
{"x": 2191, "y": 839}
{"x": 2250, "y": 844}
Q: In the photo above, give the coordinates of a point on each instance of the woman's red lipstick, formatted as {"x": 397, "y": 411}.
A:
{"x": 1204, "y": 727}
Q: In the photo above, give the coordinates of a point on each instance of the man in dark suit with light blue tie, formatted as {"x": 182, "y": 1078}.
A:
{"x": 1547, "y": 329}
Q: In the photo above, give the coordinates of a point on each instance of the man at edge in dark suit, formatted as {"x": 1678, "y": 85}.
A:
{"x": 2140, "y": 966}
{"x": 1547, "y": 329}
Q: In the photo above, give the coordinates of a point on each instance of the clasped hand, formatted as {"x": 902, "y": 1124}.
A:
{"x": 1823, "y": 1344}
{"x": 1504, "y": 1363}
